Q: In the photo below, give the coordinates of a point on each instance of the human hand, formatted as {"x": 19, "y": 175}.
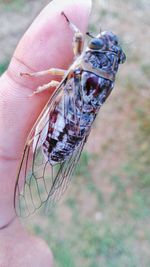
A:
{"x": 46, "y": 44}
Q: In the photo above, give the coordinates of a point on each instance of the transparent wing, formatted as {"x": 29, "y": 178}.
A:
{"x": 44, "y": 183}
{"x": 39, "y": 182}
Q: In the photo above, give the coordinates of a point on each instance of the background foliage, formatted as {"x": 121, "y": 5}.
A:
{"x": 104, "y": 218}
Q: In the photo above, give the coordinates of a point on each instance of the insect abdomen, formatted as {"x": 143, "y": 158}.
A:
{"x": 72, "y": 117}
{"x": 62, "y": 137}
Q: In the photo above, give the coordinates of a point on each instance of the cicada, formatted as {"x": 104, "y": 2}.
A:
{"x": 55, "y": 143}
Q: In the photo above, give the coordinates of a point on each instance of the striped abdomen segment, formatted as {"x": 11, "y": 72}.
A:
{"x": 62, "y": 137}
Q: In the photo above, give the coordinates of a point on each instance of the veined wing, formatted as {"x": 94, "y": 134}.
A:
{"x": 40, "y": 182}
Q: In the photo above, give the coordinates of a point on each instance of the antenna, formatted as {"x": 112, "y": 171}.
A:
{"x": 90, "y": 35}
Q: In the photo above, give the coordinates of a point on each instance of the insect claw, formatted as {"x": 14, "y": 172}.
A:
{"x": 25, "y": 74}
{"x": 62, "y": 13}
{"x": 72, "y": 26}
{"x": 31, "y": 95}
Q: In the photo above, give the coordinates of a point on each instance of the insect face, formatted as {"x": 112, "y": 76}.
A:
{"x": 107, "y": 42}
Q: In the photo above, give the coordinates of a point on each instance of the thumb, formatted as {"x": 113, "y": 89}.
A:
{"x": 47, "y": 43}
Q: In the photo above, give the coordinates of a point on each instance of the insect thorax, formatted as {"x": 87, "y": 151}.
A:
{"x": 72, "y": 117}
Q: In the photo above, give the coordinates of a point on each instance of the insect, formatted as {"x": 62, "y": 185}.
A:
{"x": 55, "y": 143}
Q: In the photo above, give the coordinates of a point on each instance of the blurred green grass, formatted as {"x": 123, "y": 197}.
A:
{"x": 3, "y": 67}
{"x": 104, "y": 218}
{"x": 12, "y": 4}
{"x": 111, "y": 239}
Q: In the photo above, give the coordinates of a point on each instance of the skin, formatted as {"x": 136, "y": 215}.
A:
{"x": 47, "y": 43}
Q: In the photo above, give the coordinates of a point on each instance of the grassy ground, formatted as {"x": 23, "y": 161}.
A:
{"x": 104, "y": 218}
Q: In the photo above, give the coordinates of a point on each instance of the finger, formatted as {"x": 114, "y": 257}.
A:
{"x": 47, "y": 43}
{"x": 22, "y": 248}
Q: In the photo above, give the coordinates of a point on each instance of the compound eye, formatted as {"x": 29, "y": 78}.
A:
{"x": 96, "y": 44}
{"x": 115, "y": 40}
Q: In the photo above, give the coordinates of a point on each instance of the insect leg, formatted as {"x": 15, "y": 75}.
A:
{"x": 51, "y": 71}
{"x": 78, "y": 37}
{"x": 46, "y": 86}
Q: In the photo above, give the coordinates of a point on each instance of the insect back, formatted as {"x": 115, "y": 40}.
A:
{"x": 100, "y": 64}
